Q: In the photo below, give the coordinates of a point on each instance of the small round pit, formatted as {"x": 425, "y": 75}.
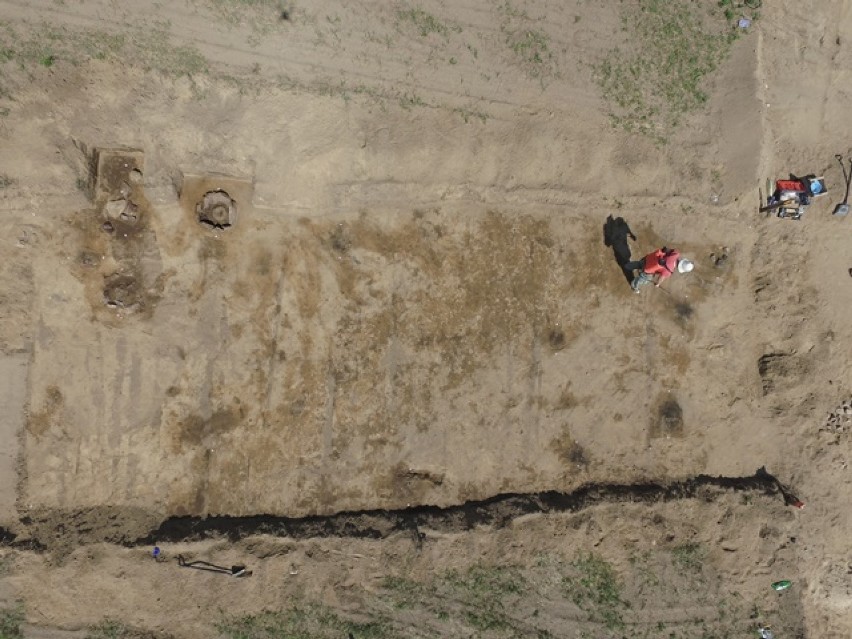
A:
{"x": 216, "y": 210}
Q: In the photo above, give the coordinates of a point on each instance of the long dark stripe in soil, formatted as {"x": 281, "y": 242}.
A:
{"x": 60, "y": 531}
{"x": 495, "y": 511}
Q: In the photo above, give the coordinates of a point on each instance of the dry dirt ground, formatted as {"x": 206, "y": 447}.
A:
{"x": 415, "y": 305}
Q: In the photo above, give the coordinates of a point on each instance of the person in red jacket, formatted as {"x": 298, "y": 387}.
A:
{"x": 661, "y": 264}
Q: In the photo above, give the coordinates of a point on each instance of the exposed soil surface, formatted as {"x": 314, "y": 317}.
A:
{"x": 335, "y": 290}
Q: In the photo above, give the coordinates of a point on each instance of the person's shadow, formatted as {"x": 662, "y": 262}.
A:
{"x": 615, "y": 232}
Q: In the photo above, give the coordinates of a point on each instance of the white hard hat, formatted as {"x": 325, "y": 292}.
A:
{"x": 684, "y": 266}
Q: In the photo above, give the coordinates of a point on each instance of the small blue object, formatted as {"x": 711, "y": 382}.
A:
{"x": 816, "y": 187}
{"x": 156, "y": 552}
{"x": 744, "y": 23}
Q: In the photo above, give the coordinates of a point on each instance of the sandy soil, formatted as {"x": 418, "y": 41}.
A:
{"x": 416, "y": 303}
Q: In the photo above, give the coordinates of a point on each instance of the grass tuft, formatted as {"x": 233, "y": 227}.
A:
{"x": 531, "y": 46}
{"x": 596, "y": 589}
{"x": 481, "y": 581}
{"x": 659, "y": 74}
{"x": 10, "y": 624}
{"x": 426, "y": 23}
{"x": 689, "y": 557}
{"x": 263, "y": 16}
{"x": 405, "y": 593}
{"x": 410, "y": 100}
{"x": 151, "y": 50}
{"x": 312, "y": 621}
{"x": 467, "y": 114}
{"x": 108, "y": 629}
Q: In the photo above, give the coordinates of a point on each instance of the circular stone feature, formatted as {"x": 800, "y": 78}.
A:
{"x": 216, "y": 210}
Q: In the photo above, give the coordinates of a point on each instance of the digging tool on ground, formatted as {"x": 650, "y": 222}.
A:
{"x": 681, "y": 299}
{"x": 674, "y": 296}
{"x": 234, "y": 571}
{"x": 776, "y": 205}
{"x": 843, "y": 208}
{"x": 692, "y": 275}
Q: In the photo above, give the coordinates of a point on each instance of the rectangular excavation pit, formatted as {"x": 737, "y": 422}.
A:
{"x": 667, "y": 423}
{"x": 111, "y": 168}
{"x": 194, "y": 187}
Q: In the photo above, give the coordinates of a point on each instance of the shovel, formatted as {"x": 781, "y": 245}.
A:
{"x": 843, "y": 208}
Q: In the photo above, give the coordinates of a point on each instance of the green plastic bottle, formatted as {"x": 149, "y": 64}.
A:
{"x": 781, "y": 585}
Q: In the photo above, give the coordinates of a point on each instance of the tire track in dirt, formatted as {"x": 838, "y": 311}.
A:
{"x": 225, "y": 54}
{"x": 298, "y": 49}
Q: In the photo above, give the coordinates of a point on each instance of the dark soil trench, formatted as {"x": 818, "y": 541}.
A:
{"x": 495, "y": 511}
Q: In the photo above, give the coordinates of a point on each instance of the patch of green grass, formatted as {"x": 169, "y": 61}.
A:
{"x": 479, "y": 596}
{"x": 410, "y": 100}
{"x": 641, "y": 565}
{"x": 485, "y": 582}
{"x": 596, "y": 589}
{"x": 113, "y": 629}
{"x": 689, "y": 557}
{"x": 156, "y": 51}
{"x": 6, "y": 181}
{"x": 311, "y": 621}
{"x": 102, "y": 46}
{"x": 405, "y": 593}
{"x": 487, "y": 618}
{"x": 510, "y": 10}
{"x": 108, "y": 629}
{"x": 150, "y": 49}
{"x": 468, "y": 114}
{"x": 530, "y": 46}
{"x": 659, "y": 73}
{"x": 10, "y": 623}
{"x": 741, "y": 8}
{"x": 483, "y": 588}
{"x": 262, "y": 15}
{"x": 426, "y": 23}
